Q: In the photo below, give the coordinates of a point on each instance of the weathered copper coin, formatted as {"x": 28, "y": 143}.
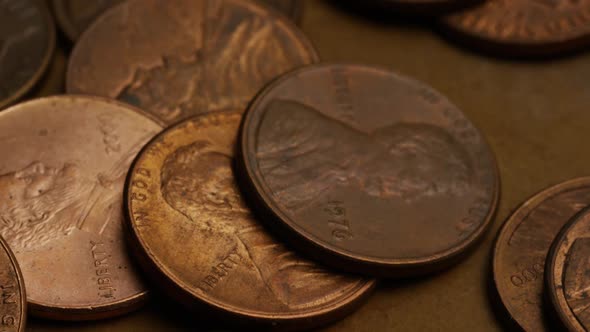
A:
{"x": 196, "y": 237}
{"x": 566, "y": 276}
{"x": 522, "y": 246}
{"x": 13, "y": 303}
{"x": 523, "y": 27}
{"x": 64, "y": 162}
{"x": 27, "y": 42}
{"x": 180, "y": 58}
{"x": 367, "y": 170}
{"x": 74, "y": 16}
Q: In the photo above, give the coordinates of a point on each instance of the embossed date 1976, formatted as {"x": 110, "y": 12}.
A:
{"x": 337, "y": 220}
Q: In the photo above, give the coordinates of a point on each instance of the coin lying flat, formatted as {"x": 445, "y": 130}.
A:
{"x": 566, "y": 276}
{"x": 74, "y": 16}
{"x": 27, "y": 41}
{"x": 522, "y": 246}
{"x": 197, "y": 239}
{"x": 367, "y": 170}
{"x": 13, "y": 306}
{"x": 180, "y": 58}
{"x": 523, "y": 27}
{"x": 61, "y": 208}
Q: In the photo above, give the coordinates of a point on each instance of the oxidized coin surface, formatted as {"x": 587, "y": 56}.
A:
{"x": 523, "y": 27}
{"x": 13, "y": 307}
{"x": 368, "y": 170}
{"x": 193, "y": 232}
{"x": 567, "y": 275}
{"x": 27, "y": 41}
{"x": 74, "y": 16}
{"x": 62, "y": 174}
{"x": 179, "y": 58}
{"x": 522, "y": 246}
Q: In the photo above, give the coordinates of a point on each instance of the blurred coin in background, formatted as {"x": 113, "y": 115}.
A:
{"x": 74, "y": 16}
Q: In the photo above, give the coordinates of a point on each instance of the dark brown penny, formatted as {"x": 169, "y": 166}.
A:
{"x": 523, "y": 27}
{"x": 566, "y": 275}
{"x": 195, "y": 236}
{"x": 179, "y": 58}
{"x": 522, "y": 246}
{"x": 64, "y": 162}
{"x": 367, "y": 170}
{"x": 74, "y": 16}
{"x": 27, "y": 42}
{"x": 13, "y": 307}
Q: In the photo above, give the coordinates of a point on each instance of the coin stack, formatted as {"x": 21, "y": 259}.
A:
{"x": 202, "y": 151}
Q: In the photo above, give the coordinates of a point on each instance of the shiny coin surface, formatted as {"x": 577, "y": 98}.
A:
{"x": 74, "y": 16}
{"x": 27, "y": 42}
{"x": 62, "y": 174}
{"x": 567, "y": 277}
{"x": 180, "y": 58}
{"x": 523, "y": 27}
{"x": 195, "y": 236}
{"x": 367, "y": 170}
{"x": 13, "y": 307}
{"x": 522, "y": 246}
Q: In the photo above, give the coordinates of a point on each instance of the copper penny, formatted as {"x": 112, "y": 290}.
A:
{"x": 27, "y": 42}
{"x": 567, "y": 276}
{"x": 13, "y": 307}
{"x": 62, "y": 174}
{"x": 74, "y": 16}
{"x": 367, "y": 170}
{"x": 522, "y": 246}
{"x": 179, "y": 58}
{"x": 523, "y": 27}
{"x": 195, "y": 236}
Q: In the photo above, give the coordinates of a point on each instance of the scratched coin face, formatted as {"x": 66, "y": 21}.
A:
{"x": 61, "y": 207}
{"x": 180, "y": 58}
{"x": 567, "y": 277}
{"x": 523, "y": 27}
{"x": 74, "y": 16}
{"x": 522, "y": 246}
{"x": 359, "y": 167}
{"x": 13, "y": 301}
{"x": 193, "y": 232}
{"x": 27, "y": 41}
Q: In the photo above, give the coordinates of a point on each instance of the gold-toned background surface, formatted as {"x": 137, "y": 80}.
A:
{"x": 536, "y": 116}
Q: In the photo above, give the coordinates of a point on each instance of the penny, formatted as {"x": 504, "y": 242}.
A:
{"x": 523, "y": 27}
{"x": 197, "y": 239}
{"x": 367, "y": 170}
{"x": 27, "y": 41}
{"x": 177, "y": 59}
{"x": 13, "y": 310}
{"x": 522, "y": 246}
{"x": 64, "y": 162}
{"x": 74, "y": 16}
{"x": 567, "y": 276}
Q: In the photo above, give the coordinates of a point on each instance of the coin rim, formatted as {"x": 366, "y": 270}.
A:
{"x": 515, "y": 220}
{"x": 85, "y": 312}
{"x": 342, "y": 258}
{"x": 51, "y": 40}
{"x": 21, "y": 285}
{"x": 159, "y": 272}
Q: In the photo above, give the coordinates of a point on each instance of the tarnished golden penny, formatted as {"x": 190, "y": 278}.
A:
{"x": 74, "y": 16}
{"x": 523, "y": 27}
{"x": 567, "y": 276}
{"x": 64, "y": 162}
{"x": 180, "y": 58}
{"x": 13, "y": 301}
{"x": 196, "y": 238}
{"x": 27, "y": 42}
{"x": 367, "y": 170}
{"x": 522, "y": 246}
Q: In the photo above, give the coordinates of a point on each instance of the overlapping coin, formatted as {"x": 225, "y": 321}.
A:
{"x": 367, "y": 170}
{"x": 196, "y": 238}
{"x": 13, "y": 303}
{"x": 61, "y": 181}
{"x": 176, "y": 59}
